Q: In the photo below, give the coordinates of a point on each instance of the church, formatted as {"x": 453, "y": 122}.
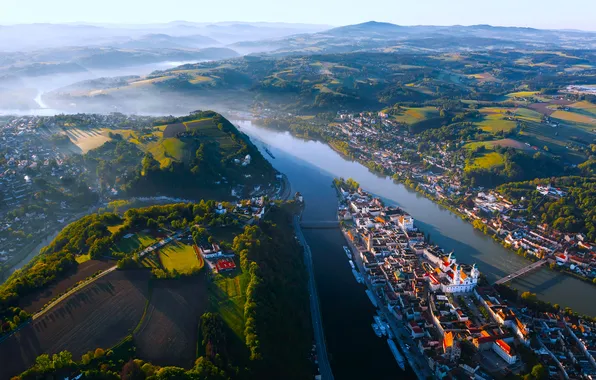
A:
{"x": 450, "y": 277}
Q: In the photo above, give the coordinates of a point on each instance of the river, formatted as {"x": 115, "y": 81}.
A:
{"x": 355, "y": 352}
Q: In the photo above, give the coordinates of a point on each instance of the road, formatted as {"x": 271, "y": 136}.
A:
{"x": 415, "y": 358}
{"x": 324, "y": 366}
{"x": 71, "y": 292}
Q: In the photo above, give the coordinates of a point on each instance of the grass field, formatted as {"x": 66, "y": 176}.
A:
{"x": 522, "y": 94}
{"x": 487, "y": 161}
{"x": 505, "y": 143}
{"x": 574, "y": 117}
{"x": 484, "y": 77}
{"x": 167, "y": 150}
{"x": 226, "y": 296}
{"x": 133, "y": 242}
{"x": 528, "y": 115}
{"x": 83, "y": 258}
{"x": 151, "y": 260}
{"x": 414, "y": 115}
{"x": 116, "y": 228}
{"x": 201, "y": 79}
{"x": 179, "y": 257}
{"x": 558, "y": 140}
{"x": 495, "y": 124}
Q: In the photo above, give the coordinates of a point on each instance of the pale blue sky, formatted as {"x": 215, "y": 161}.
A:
{"x": 576, "y": 14}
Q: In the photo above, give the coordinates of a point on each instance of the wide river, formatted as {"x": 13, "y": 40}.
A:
{"x": 355, "y": 352}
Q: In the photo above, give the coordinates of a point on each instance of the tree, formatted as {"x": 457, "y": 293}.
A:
{"x": 62, "y": 359}
{"x": 539, "y": 372}
{"x": 43, "y": 363}
{"x": 132, "y": 371}
{"x": 99, "y": 352}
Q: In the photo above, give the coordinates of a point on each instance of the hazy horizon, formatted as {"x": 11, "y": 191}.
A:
{"x": 540, "y": 14}
{"x": 231, "y": 22}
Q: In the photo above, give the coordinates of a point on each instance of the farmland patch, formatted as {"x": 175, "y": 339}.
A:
{"x": 99, "y": 315}
{"x": 169, "y": 332}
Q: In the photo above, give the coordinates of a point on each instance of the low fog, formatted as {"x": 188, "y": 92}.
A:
{"x": 38, "y": 59}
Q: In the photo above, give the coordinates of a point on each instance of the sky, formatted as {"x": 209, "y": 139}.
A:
{"x": 548, "y": 14}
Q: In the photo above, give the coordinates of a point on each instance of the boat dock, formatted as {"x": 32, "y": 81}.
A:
{"x": 372, "y": 297}
{"x": 398, "y": 356}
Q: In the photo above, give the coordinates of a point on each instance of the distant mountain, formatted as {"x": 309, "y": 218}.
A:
{"x": 27, "y": 37}
{"x": 154, "y": 41}
{"x": 382, "y": 36}
{"x": 371, "y": 29}
{"x": 109, "y": 58}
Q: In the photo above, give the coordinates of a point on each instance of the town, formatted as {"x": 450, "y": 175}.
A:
{"x": 53, "y": 170}
{"x": 436, "y": 170}
{"x": 447, "y": 319}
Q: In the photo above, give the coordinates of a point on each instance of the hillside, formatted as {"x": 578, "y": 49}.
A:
{"x": 353, "y": 81}
{"x": 199, "y": 155}
{"x": 163, "y": 310}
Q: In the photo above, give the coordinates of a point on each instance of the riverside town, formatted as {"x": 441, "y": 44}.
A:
{"x": 449, "y": 322}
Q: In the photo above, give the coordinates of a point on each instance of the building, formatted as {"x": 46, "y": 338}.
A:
{"x": 453, "y": 278}
{"x": 505, "y": 351}
{"x": 225, "y": 264}
{"x": 451, "y": 347}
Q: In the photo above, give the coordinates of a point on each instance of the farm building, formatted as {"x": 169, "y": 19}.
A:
{"x": 225, "y": 264}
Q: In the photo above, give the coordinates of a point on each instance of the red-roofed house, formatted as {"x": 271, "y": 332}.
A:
{"x": 505, "y": 351}
{"x": 225, "y": 264}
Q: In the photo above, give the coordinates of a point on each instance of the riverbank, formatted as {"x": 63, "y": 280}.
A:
{"x": 443, "y": 202}
{"x": 317, "y": 322}
{"x": 312, "y": 165}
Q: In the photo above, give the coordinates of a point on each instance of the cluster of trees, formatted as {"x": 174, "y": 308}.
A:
{"x": 91, "y": 235}
{"x": 349, "y": 184}
{"x": 518, "y": 166}
{"x": 341, "y": 146}
{"x": 276, "y": 306}
{"x": 453, "y": 132}
{"x": 574, "y": 212}
{"x": 212, "y": 160}
{"x": 119, "y": 364}
{"x": 276, "y": 298}
{"x": 88, "y": 234}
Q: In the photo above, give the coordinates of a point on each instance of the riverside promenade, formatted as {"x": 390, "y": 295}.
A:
{"x": 324, "y": 366}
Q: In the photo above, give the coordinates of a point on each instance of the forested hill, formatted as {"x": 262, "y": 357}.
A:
{"x": 323, "y": 82}
{"x": 199, "y": 155}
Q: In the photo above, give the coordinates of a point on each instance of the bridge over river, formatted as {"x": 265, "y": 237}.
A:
{"x": 522, "y": 271}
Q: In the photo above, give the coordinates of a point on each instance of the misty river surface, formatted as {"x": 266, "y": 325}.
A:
{"x": 355, "y": 352}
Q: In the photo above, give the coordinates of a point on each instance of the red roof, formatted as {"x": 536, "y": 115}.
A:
{"x": 504, "y": 346}
{"x": 225, "y": 264}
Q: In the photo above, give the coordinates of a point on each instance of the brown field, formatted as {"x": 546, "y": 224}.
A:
{"x": 208, "y": 122}
{"x": 510, "y": 143}
{"x": 542, "y": 108}
{"x": 87, "y": 139}
{"x": 172, "y": 130}
{"x": 574, "y": 117}
{"x": 34, "y": 302}
{"x": 100, "y": 315}
{"x": 169, "y": 332}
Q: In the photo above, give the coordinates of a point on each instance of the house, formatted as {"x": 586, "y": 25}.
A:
{"x": 505, "y": 351}
{"x": 225, "y": 264}
{"x": 451, "y": 347}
